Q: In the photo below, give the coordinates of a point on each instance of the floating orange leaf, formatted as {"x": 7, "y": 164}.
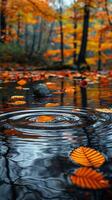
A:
{"x": 21, "y": 82}
{"x": 45, "y": 118}
{"x": 17, "y": 97}
{"x": 52, "y": 104}
{"x": 88, "y": 178}
{"x": 87, "y": 157}
{"x": 18, "y": 103}
{"x": 106, "y": 110}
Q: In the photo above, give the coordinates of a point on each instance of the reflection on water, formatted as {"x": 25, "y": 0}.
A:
{"x": 38, "y": 134}
{"x": 64, "y": 92}
{"x": 35, "y": 162}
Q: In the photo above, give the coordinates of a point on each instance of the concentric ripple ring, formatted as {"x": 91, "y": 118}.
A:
{"x": 55, "y": 118}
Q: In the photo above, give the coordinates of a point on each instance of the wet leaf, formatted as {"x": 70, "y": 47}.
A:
{"x": 52, "y": 104}
{"x": 17, "y": 97}
{"x": 18, "y": 103}
{"x": 89, "y": 178}
{"x": 106, "y": 110}
{"x": 45, "y": 118}
{"x": 21, "y": 82}
{"x": 87, "y": 157}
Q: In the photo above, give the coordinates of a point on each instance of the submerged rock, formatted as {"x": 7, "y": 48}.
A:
{"x": 41, "y": 90}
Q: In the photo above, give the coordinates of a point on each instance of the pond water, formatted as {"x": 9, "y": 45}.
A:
{"x": 65, "y": 91}
{"x": 37, "y": 138}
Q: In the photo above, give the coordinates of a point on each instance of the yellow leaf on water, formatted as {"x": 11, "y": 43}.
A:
{"x": 21, "y": 82}
{"x": 45, "y": 118}
{"x": 18, "y": 103}
{"x": 52, "y": 104}
{"x": 87, "y": 157}
{"x": 17, "y": 97}
{"x": 106, "y": 110}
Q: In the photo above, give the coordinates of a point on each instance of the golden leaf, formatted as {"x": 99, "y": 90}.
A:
{"x": 52, "y": 104}
{"x": 45, "y": 118}
{"x": 17, "y": 97}
{"x": 18, "y": 103}
{"x": 105, "y": 110}
{"x": 89, "y": 178}
{"x": 21, "y": 82}
{"x": 87, "y": 157}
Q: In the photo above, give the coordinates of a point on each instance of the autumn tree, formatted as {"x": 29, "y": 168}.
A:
{"x": 82, "y": 54}
{"x": 28, "y": 25}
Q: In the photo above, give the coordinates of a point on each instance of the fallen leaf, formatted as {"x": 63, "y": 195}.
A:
{"x": 21, "y": 82}
{"x": 106, "y": 110}
{"x": 18, "y": 103}
{"x": 45, "y": 118}
{"x": 17, "y": 97}
{"x": 87, "y": 157}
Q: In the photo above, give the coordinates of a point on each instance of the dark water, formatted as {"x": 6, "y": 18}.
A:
{"x": 36, "y": 140}
{"x": 35, "y": 162}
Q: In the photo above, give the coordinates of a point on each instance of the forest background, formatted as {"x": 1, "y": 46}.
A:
{"x": 52, "y": 34}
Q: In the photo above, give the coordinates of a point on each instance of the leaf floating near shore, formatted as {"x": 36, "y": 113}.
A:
{"x": 21, "y": 82}
{"x": 51, "y": 104}
{"x": 106, "y": 110}
{"x": 17, "y": 97}
{"x": 88, "y": 178}
{"x": 18, "y": 103}
{"x": 87, "y": 157}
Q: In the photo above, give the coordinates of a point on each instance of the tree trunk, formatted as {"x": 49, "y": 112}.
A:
{"x": 61, "y": 33}
{"x": 49, "y": 36}
{"x": 99, "y": 53}
{"x": 41, "y": 29}
{"x": 107, "y": 11}
{"x": 3, "y": 21}
{"x": 33, "y": 42}
{"x": 26, "y": 47}
{"x": 75, "y": 37}
{"x": 18, "y": 29}
{"x": 82, "y": 54}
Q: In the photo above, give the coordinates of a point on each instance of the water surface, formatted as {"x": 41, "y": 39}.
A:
{"x": 35, "y": 162}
